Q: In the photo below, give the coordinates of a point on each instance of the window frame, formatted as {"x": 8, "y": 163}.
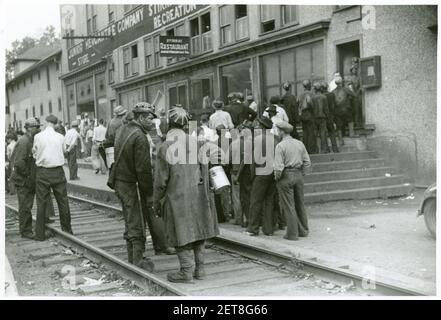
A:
{"x": 233, "y": 24}
{"x": 279, "y": 19}
{"x": 200, "y": 36}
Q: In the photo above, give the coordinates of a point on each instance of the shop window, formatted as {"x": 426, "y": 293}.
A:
{"x": 178, "y": 95}
{"x": 289, "y": 14}
{"x": 50, "y": 106}
{"x": 200, "y": 33}
{"x": 201, "y": 93}
{"x": 59, "y": 104}
{"x": 33, "y": 111}
{"x": 293, "y": 65}
{"x": 155, "y": 95}
{"x": 233, "y": 23}
{"x": 236, "y": 78}
{"x": 48, "y": 79}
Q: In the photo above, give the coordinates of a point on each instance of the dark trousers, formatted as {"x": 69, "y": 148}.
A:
{"x": 290, "y": 188}
{"x": 321, "y": 128}
{"x": 223, "y": 205}
{"x": 155, "y": 225}
{"x": 25, "y": 197}
{"x": 309, "y": 140}
{"x": 47, "y": 179}
{"x": 127, "y": 193}
{"x": 72, "y": 163}
{"x": 245, "y": 191}
{"x": 262, "y": 204}
{"x": 331, "y": 134}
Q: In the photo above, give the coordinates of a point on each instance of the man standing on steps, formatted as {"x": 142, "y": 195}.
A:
{"x": 330, "y": 119}
{"x": 321, "y": 113}
{"x": 182, "y": 184}
{"x": 72, "y": 142}
{"x": 306, "y": 113}
{"x": 289, "y": 101}
{"x": 290, "y": 164}
{"x": 343, "y": 109}
{"x": 23, "y": 176}
{"x": 49, "y": 159}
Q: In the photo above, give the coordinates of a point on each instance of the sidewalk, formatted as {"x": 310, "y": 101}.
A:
{"x": 10, "y": 287}
{"x": 384, "y": 234}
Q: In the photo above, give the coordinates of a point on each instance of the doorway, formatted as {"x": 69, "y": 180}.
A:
{"x": 345, "y": 53}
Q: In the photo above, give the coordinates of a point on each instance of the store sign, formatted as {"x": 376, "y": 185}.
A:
{"x": 173, "y": 46}
{"x": 139, "y": 22}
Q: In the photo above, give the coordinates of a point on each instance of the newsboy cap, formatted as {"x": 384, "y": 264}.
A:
{"x": 284, "y": 126}
{"x": 119, "y": 111}
{"x": 31, "y": 122}
{"x": 52, "y": 119}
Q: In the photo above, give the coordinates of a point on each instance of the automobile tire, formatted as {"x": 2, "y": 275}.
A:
{"x": 429, "y": 210}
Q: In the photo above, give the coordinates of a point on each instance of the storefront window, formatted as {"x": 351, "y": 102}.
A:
{"x": 236, "y": 78}
{"x": 201, "y": 93}
{"x": 294, "y": 66}
{"x": 155, "y": 95}
{"x": 177, "y": 94}
{"x": 130, "y": 98}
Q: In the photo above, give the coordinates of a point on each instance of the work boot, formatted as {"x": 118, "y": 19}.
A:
{"x": 138, "y": 259}
{"x": 129, "y": 251}
{"x": 185, "y": 274}
{"x": 166, "y": 251}
{"x": 351, "y": 129}
{"x": 199, "y": 272}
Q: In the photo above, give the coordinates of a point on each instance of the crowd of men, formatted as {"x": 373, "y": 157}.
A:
{"x": 175, "y": 199}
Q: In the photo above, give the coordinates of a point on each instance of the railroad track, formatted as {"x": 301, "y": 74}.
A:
{"x": 233, "y": 268}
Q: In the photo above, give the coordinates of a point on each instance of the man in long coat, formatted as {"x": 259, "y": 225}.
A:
{"x": 182, "y": 184}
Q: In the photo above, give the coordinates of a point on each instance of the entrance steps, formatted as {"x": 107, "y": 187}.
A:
{"x": 354, "y": 173}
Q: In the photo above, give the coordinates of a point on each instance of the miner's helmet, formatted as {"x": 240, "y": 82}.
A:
{"x": 306, "y": 83}
{"x": 179, "y": 115}
{"x": 317, "y": 85}
{"x": 144, "y": 107}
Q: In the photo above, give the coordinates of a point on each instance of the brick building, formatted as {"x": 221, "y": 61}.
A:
{"x": 254, "y": 49}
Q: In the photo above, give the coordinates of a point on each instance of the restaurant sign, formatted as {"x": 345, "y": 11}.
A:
{"x": 173, "y": 46}
{"x": 140, "y": 21}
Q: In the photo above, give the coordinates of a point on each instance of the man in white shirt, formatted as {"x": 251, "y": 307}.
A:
{"x": 99, "y": 135}
{"x": 281, "y": 113}
{"x": 72, "y": 144}
{"x": 220, "y": 117}
{"x": 48, "y": 150}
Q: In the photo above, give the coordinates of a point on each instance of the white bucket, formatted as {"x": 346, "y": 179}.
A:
{"x": 218, "y": 179}
{"x": 110, "y": 156}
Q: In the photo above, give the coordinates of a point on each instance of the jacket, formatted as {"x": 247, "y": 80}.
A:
{"x": 23, "y": 163}
{"x": 239, "y": 112}
{"x": 112, "y": 128}
{"x": 289, "y": 103}
{"x": 134, "y": 165}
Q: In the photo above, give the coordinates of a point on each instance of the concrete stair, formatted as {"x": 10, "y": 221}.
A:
{"x": 354, "y": 173}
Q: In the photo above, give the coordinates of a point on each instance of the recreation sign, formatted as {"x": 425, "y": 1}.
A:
{"x": 139, "y": 22}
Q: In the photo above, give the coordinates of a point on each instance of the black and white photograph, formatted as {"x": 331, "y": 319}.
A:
{"x": 219, "y": 151}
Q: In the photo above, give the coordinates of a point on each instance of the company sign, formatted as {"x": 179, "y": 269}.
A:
{"x": 137, "y": 23}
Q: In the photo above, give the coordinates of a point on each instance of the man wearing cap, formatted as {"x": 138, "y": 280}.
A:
{"x": 289, "y": 101}
{"x": 113, "y": 125}
{"x": 281, "y": 113}
{"x": 220, "y": 117}
{"x": 321, "y": 112}
{"x": 306, "y": 114}
{"x": 133, "y": 175}
{"x": 237, "y": 110}
{"x": 290, "y": 164}
{"x": 98, "y": 137}
{"x": 48, "y": 151}
{"x": 72, "y": 142}
{"x": 330, "y": 119}
{"x": 343, "y": 109}
{"x": 23, "y": 176}
{"x": 263, "y": 186}
{"x": 182, "y": 184}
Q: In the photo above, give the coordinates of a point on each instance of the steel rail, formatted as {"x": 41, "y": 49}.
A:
{"x": 141, "y": 278}
{"x": 277, "y": 259}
